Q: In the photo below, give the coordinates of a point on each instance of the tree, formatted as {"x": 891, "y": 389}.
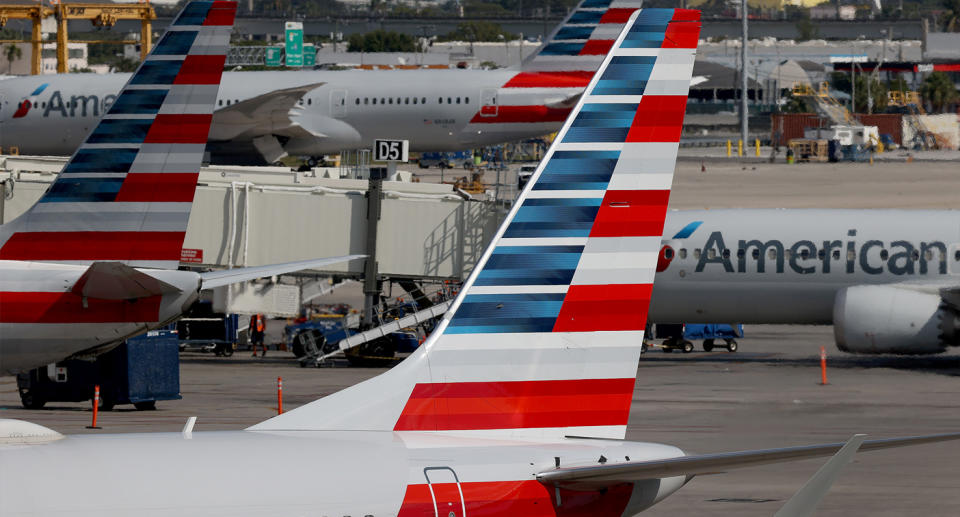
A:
{"x": 382, "y": 41}
{"x": 951, "y": 15}
{"x": 840, "y": 81}
{"x": 12, "y": 53}
{"x": 939, "y": 91}
{"x": 478, "y": 31}
{"x": 806, "y": 29}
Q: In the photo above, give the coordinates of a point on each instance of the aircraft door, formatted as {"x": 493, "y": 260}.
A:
{"x": 446, "y": 492}
{"x": 338, "y": 103}
{"x": 488, "y": 102}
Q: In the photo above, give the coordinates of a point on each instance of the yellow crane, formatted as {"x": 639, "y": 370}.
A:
{"x": 35, "y": 13}
{"x": 100, "y": 14}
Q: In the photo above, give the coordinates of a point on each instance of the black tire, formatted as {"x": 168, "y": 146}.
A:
{"x": 106, "y": 402}
{"x": 643, "y": 348}
{"x": 732, "y": 345}
{"x": 31, "y": 400}
{"x": 226, "y": 349}
{"x": 312, "y": 161}
{"x": 146, "y": 405}
{"x": 687, "y": 346}
{"x": 297, "y": 349}
{"x": 708, "y": 345}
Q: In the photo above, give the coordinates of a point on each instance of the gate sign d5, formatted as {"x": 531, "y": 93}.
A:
{"x": 391, "y": 150}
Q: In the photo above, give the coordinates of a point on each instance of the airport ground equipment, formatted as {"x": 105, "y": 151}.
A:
{"x": 141, "y": 371}
{"x": 416, "y": 319}
{"x": 209, "y": 331}
{"x": 911, "y": 102}
{"x": 680, "y": 336}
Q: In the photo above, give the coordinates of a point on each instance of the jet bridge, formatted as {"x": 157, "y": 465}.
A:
{"x": 251, "y": 216}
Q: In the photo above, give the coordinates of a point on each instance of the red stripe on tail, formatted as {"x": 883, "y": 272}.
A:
{"x": 93, "y": 246}
{"x": 589, "y": 308}
{"x": 596, "y": 47}
{"x": 617, "y": 15}
{"x": 659, "y": 118}
{"x": 681, "y": 35}
{"x": 517, "y": 404}
{"x": 179, "y": 129}
{"x": 571, "y": 79}
{"x": 631, "y": 213}
{"x": 157, "y": 187}
{"x": 201, "y": 69}
{"x": 221, "y": 13}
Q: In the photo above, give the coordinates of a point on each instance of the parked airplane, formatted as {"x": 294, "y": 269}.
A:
{"x": 264, "y": 116}
{"x": 886, "y": 279}
{"x": 517, "y": 404}
{"x": 94, "y": 260}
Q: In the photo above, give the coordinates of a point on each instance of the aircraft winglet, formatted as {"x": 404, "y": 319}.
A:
{"x": 805, "y": 501}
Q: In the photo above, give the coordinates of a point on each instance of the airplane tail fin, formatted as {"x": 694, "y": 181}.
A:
{"x": 125, "y": 195}
{"x": 544, "y": 338}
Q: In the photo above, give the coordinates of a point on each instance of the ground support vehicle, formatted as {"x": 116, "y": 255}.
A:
{"x": 680, "y": 336}
{"x": 217, "y": 333}
{"x": 141, "y": 371}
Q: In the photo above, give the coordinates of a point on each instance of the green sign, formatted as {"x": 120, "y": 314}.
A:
{"x": 293, "y": 43}
{"x": 309, "y": 54}
{"x": 274, "y": 56}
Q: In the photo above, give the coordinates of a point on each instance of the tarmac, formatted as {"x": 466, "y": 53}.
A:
{"x": 766, "y": 395}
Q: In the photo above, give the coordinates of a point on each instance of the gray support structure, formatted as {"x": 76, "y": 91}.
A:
{"x": 744, "y": 76}
{"x": 371, "y": 287}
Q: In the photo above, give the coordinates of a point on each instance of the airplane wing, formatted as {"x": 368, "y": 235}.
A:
{"x": 595, "y": 477}
{"x": 259, "y": 115}
{"x": 118, "y": 281}
{"x": 232, "y": 276}
{"x": 805, "y": 501}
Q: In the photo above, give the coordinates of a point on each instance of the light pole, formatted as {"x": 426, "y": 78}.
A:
{"x": 743, "y": 74}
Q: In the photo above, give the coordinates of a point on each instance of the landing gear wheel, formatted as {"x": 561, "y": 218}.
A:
{"x": 687, "y": 346}
{"x": 146, "y": 405}
{"x": 312, "y": 161}
{"x": 643, "y": 348}
{"x": 731, "y": 345}
{"x": 707, "y": 345}
{"x": 31, "y": 400}
{"x": 223, "y": 349}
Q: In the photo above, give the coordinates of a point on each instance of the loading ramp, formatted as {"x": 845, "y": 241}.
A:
{"x": 316, "y": 357}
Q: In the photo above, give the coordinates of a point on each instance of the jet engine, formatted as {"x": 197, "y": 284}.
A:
{"x": 893, "y": 320}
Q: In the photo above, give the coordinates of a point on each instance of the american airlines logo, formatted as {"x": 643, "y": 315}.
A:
{"x": 804, "y": 257}
{"x": 76, "y": 105}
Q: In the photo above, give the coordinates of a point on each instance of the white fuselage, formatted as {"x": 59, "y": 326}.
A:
{"x": 436, "y": 110}
{"x": 807, "y": 257}
{"x": 42, "y": 322}
{"x": 323, "y": 473}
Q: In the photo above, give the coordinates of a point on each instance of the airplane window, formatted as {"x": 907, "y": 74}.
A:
{"x": 43, "y": 104}
{"x": 696, "y": 253}
{"x": 440, "y": 100}
{"x": 851, "y": 255}
{"x": 342, "y": 101}
{"x": 358, "y": 101}
{"x": 836, "y": 254}
{"x": 366, "y": 100}
{"x": 390, "y": 100}
{"x": 884, "y": 254}
{"x": 449, "y": 101}
{"x": 956, "y": 255}
{"x": 726, "y": 253}
{"x": 310, "y": 101}
{"x": 301, "y": 102}
{"x": 915, "y": 255}
{"x": 928, "y": 255}
{"x": 406, "y": 100}
{"x": 221, "y": 102}
{"x": 374, "y": 100}
{"x": 772, "y": 253}
{"x": 382, "y": 100}
{"x": 414, "y": 100}
{"x": 712, "y": 253}
{"x": 398, "y": 100}
{"x": 458, "y": 100}
{"x": 423, "y": 100}
{"x": 821, "y": 254}
{"x": 786, "y": 253}
{"x": 741, "y": 253}
{"x": 466, "y": 100}
{"x": 228, "y": 102}
{"x": 683, "y": 253}
{"x": 805, "y": 254}
{"x": 756, "y": 254}
{"x": 236, "y": 101}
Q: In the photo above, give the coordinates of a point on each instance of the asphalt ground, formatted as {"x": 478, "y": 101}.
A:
{"x": 766, "y": 395}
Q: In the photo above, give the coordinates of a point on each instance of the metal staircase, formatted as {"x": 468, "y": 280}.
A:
{"x": 827, "y": 106}
{"x": 316, "y": 357}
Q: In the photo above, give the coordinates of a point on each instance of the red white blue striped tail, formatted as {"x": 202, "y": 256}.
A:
{"x": 126, "y": 194}
{"x": 544, "y": 339}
